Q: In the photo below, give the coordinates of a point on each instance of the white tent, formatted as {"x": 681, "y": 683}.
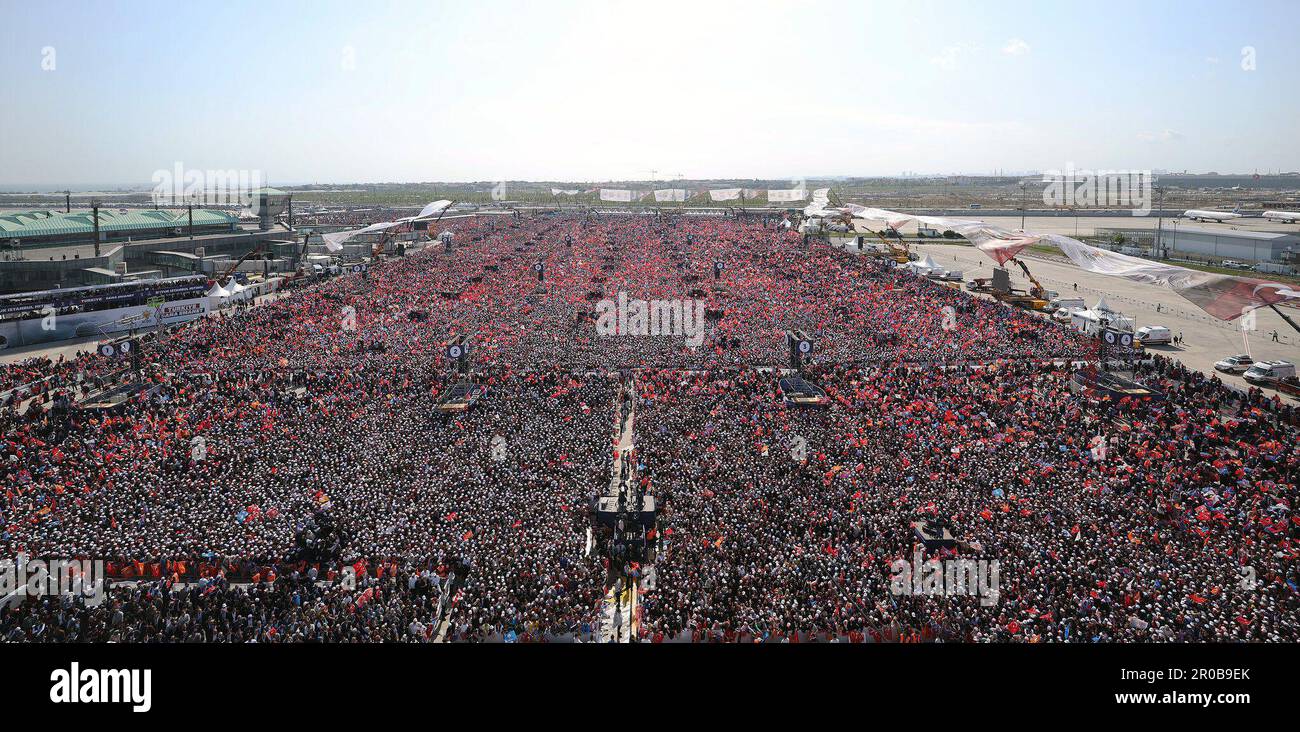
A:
{"x": 925, "y": 266}
{"x": 1102, "y": 306}
{"x": 218, "y": 291}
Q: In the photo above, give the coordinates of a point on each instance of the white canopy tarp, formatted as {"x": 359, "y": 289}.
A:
{"x": 433, "y": 208}
{"x": 334, "y": 241}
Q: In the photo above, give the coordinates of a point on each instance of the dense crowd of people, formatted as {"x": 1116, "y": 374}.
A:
{"x": 292, "y": 473}
{"x": 1154, "y": 541}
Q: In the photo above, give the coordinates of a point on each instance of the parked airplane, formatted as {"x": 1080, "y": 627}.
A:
{"x": 1285, "y": 217}
{"x": 1216, "y": 216}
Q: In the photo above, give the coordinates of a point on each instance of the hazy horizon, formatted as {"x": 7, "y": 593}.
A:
{"x": 331, "y": 93}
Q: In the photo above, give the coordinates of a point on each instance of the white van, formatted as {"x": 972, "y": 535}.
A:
{"x": 1152, "y": 335}
{"x": 1062, "y": 315}
{"x": 1269, "y": 372}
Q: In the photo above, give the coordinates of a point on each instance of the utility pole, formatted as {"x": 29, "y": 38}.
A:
{"x": 190, "y": 208}
{"x": 67, "y": 201}
{"x": 94, "y": 206}
{"x": 1160, "y": 218}
{"x": 1023, "y": 202}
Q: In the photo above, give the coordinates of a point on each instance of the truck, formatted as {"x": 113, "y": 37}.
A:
{"x": 1274, "y": 268}
{"x": 1069, "y": 303}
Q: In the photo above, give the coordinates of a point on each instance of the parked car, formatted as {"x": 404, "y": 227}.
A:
{"x": 1234, "y": 364}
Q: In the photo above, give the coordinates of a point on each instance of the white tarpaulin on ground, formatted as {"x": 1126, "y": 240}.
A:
{"x": 670, "y": 194}
{"x": 615, "y": 194}
{"x": 724, "y": 194}
{"x": 787, "y": 194}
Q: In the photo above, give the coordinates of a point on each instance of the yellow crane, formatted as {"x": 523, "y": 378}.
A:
{"x": 1036, "y": 299}
{"x": 898, "y": 249}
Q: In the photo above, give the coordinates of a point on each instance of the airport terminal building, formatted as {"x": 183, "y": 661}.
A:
{"x": 47, "y": 249}
{"x": 1213, "y": 244}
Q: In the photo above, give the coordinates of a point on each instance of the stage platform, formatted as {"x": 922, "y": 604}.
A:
{"x": 1096, "y": 383}
{"x": 801, "y": 393}
{"x": 461, "y": 397}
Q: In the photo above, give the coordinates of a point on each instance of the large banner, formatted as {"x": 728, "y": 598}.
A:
{"x": 787, "y": 194}
{"x": 615, "y": 194}
{"x": 670, "y": 194}
{"x": 724, "y": 194}
{"x": 565, "y": 192}
{"x": 99, "y": 322}
{"x": 1226, "y": 297}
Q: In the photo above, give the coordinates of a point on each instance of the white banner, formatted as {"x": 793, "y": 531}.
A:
{"x": 670, "y": 194}
{"x": 787, "y": 194}
{"x": 563, "y": 192}
{"x": 724, "y": 194}
{"x": 615, "y": 194}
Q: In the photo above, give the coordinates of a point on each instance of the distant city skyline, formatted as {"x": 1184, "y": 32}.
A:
{"x": 336, "y": 93}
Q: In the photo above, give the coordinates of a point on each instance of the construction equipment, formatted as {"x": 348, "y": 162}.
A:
{"x": 1035, "y": 299}
{"x": 1283, "y": 316}
{"x": 1037, "y": 290}
{"x": 895, "y": 248}
{"x": 231, "y": 270}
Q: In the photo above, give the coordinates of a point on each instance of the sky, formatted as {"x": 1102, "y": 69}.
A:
{"x": 337, "y": 92}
